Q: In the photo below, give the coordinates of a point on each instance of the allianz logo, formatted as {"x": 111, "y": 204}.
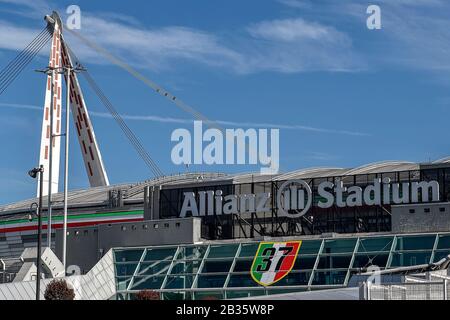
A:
{"x": 294, "y": 198}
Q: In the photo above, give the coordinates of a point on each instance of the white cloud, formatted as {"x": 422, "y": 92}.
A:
{"x": 290, "y": 45}
{"x": 13, "y": 37}
{"x": 289, "y": 30}
{"x": 160, "y": 119}
{"x": 156, "y": 48}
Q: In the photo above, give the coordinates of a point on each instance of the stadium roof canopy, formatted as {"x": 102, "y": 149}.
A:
{"x": 134, "y": 191}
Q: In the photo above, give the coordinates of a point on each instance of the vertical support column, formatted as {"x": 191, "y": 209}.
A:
{"x": 66, "y": 167}
{"x": 147, "y": 214}
{"x": 445, "y": 289}
{"x": 50, "y": 163}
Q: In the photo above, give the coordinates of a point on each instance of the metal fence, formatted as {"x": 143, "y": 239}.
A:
{"x": 409, "y": 291}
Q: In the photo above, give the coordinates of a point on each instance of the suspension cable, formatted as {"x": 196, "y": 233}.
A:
{"x": 158, "y": 89}
{"x": 24, "y": 52}
{"x": 135, "y": 142}
{"x": 15, "y": 67}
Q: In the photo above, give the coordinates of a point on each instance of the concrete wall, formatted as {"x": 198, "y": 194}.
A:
{"x": 86, "y": 245}
{"x": 421, "y": 217}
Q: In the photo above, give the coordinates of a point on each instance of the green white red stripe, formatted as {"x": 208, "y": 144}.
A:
{"x": 74, "y": 220}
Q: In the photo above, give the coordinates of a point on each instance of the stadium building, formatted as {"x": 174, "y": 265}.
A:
{"x": 402, "y": 221}
{"x": 321, "y": 231}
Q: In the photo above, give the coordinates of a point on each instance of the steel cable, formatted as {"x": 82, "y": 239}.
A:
{"x": 15, "y": 67}
{"x": 135, "y": 142}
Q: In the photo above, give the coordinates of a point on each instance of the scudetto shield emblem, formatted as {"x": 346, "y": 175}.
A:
{"x": 273, "y": 261}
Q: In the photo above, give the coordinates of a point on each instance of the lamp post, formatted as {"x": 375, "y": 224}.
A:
{"x": 67, "y": 71}
{"x": 33, "y": 173}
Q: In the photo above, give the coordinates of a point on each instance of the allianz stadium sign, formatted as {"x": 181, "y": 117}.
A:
{"x": 294, "y": 198}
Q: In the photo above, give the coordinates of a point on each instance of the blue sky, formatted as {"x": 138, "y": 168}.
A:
{"x": 342, "y": 95}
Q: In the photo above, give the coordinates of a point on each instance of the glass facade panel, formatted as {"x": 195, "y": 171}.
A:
{"x": 123, "y": 282}
{"x": 366, "y": 260}
{"x": 160, "y": 254}
{"x": 185, "y": 266}
{"x": 375, "y": 244}
{"x": 415, "y": 242}
{"x": 310, "y": 247}
{"x": 334, "y": 262}
{"x": 221, "y": 251}
{"x": 179, "y": 281}
{"x": 141, "y": 283}
{"x": 192, "y": 252}
{"x": 216, "y": 266}
{"x": 295, "y": 279}
{"x": 304, "y": 262}
{"x": 410, "y": 258}
{"x": 125, "y": 269}
{"x": 242, "y": 280}
{"x": 444, "y": 242}
{"x": 329, "y": 277}
{"x": 438, "y": 255}
{"x": 339, "y": 246}
{"x": 155, "y": 267}
{"x": 186, "y": 276}
{"x": 248, "y": 250}
{"x": 128, "y": 255}
{"x": 243, "y": 265}
{"x": 211, "y": 281}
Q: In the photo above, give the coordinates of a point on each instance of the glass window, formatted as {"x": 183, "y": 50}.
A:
{"x": 401, "y": 259}
{"x": 339, "y": 245}
{"x": 444, "y": 242}
{"x": 330, "y": 262}
{"x": 365, "y": 260}
{"x": 294, "y": 279}
{"x": 179, "y": 282}
{"x": 151, "y": 268}
{"x": 222, "y": 251}
{"x": 141, "y": 283}
{"x": 375, "y": 244}
{"x": 438, "y": 255}
{"x": 186, "y": 266}
{"x": 216, "y": 266}
{"x": 242, "y": 265}
{"x": 304, "y": 262}
{"x": 122, "y": 282}
{"x": 125, "y": 269}
{"x": 128, "y": 255}
{"x": 415, "y": 242}
{"x": 160, "y": 254}
{"x": 329, "y": 277}
{"x": 310, "y": 246}
{"x": 242, "y": 280}
{"x": 248, "y": 250}
{"x": 211, "y": 281}
{"x": 196, "y": 252}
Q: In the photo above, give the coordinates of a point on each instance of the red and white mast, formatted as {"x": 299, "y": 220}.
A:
{"x": 59, "y": 61}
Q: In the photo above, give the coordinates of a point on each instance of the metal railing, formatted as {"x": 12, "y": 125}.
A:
{"x": 408, "y": 291}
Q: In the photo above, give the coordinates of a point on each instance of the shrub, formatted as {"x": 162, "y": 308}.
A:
{"x": 147, "y": 295}
{"x": 59, "y": 290}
